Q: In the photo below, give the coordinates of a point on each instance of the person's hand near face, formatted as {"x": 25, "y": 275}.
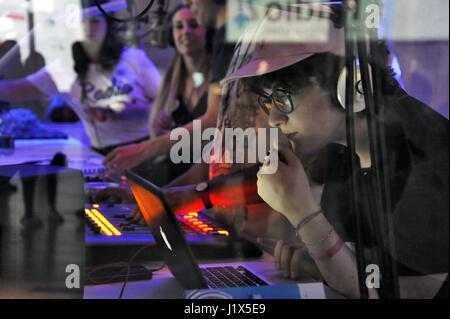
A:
{"x": 310, "y": 122}
{"x": 287, "y": 190}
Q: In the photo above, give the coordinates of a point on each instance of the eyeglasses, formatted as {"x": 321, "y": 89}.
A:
{"x": 280, "y": 99}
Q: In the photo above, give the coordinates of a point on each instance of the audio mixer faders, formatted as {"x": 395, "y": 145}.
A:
{"x": 112, "y": 235}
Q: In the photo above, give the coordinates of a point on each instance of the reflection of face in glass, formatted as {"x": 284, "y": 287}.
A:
{"x": 95, "y": 29}
{"x": 189, "y": 36}
{"x": 203, "y": 11}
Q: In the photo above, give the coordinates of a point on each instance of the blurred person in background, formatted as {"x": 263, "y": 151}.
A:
{"x": 183, "y": 96}
{"x": 212, "y": 14}
{"x": 112, "y": 93}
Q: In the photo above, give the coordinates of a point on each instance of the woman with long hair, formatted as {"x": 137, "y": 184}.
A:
{"x": 112, "y": 91}
{"x": 183, "y": 96}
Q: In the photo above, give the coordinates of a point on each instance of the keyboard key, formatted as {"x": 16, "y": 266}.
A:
{"x": 228, "y": 277}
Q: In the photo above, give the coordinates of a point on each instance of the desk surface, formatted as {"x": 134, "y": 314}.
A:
{"x": 164, "y": 286}
{"x": 79, "y": 155}
{"x": 34, "y": 255}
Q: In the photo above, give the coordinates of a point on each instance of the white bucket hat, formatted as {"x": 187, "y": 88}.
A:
{"x": 272, "y": 56}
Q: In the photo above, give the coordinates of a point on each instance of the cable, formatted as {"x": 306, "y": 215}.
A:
{"x": 117, "y": 264}
{"x": 122, "y": 290}
{"x": 125, "y": 266}
{"x": 135, "y": 18}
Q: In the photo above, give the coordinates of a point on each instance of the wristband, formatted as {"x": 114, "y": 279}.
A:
{"x": 307, "y": 220}
{"x": 321, "y": 241}
{"x": 303, "y": 223}
{"x": 329, "y": 253}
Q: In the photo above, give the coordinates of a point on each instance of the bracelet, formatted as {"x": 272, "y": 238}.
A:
{"x": 322, "y": 240}
{"x": 307, "y": 220}
{"x": 330, "y": 253}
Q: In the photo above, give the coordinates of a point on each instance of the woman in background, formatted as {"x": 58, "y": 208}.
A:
{"x": 112, "y": 92}
{"x": 183, "y": 95}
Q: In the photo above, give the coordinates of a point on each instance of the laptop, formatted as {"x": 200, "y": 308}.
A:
{"x": 177, "y": 254}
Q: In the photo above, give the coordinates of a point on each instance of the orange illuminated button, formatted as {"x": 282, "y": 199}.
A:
{"x": 98, "y": 222}
{"x": 102, "y": 218}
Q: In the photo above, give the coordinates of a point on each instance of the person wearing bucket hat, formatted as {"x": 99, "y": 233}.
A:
{"x": 112, "y": 88}
{"x": 301, "y": 88}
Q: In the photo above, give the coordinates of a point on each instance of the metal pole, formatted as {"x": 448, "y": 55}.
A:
{"x": 350, "y": 132}
{"x": 381, "y": 214}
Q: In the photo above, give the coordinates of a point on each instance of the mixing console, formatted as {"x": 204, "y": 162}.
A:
{"x": 112, "y": 235}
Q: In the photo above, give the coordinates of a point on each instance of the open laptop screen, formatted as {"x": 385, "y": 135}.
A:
{"x": 167, "y": 232}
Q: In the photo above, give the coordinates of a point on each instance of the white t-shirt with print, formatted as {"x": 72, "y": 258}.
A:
{"x": 135, "y": 81}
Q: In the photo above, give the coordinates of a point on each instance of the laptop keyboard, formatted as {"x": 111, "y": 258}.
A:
{"x": 229, "y": 277}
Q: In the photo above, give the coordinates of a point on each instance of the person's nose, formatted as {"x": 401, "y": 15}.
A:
{"x": 93, "y": 27}
{"x": 187, "y": 29}
{"x": 277, "y": 118}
